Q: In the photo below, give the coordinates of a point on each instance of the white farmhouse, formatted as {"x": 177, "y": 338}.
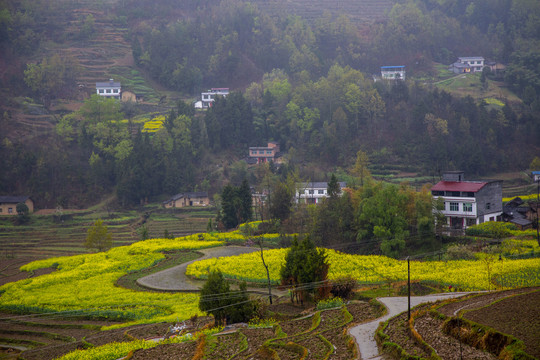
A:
{"x": 208, "y": 97}
{"x": 314, "y": 192}
{"x": 109, "y": 89}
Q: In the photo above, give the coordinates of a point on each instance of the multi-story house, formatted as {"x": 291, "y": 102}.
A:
{"x": 208, "y": 97}
{"x": 314, "y": 192}
{"x": 262, "y": 154}
{"x": 468, "y": 64}
{"x": 468, "y": 203}
{"x": 393, "y": 72}
{"x": 109, "y": 89}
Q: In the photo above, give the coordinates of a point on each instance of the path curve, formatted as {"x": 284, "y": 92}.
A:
{"x": 175, "y": 279}
{"x": 365, "y": 333}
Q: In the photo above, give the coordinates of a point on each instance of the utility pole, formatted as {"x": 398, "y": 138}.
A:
{"x": 408, "y": 288}
{"x": 536, "y": 177}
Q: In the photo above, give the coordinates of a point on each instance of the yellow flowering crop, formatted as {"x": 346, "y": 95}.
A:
{"x": 154, "y": 125}
{"x": 467, "y": 275}
{"x": 85, "y": 285}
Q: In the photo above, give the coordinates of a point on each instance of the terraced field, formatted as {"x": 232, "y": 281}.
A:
{"x": 46, "y": 237}
{"x": 360, "y": 11}
{"x": 482, "y": 326}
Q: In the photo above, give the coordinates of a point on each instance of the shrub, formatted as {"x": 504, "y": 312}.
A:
{"x": 493, "y": 229}
{"x": 343, "y": 287}
{"x": 329, "y": 303}
{"x": 459, "y": 252}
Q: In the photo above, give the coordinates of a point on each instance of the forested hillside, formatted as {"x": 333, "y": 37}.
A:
{"x": 301, "y": 77}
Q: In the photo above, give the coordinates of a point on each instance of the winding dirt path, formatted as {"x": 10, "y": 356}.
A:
{"x": 175, "y": 279}
{"x": 365, "y": 333}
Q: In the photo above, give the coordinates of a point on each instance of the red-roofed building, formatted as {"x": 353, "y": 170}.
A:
{"x": 468, "y": 203}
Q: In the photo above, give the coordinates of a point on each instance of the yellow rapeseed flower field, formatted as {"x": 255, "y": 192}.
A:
{"x": 466, "y": 275}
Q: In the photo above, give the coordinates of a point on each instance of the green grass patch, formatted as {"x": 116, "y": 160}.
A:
{"x": 129, "y": 281}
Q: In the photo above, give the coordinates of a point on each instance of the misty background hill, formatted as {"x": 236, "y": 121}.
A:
{"x": 301, "y": 73}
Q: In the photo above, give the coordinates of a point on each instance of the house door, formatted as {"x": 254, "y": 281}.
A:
{"x": 456, "y": 223}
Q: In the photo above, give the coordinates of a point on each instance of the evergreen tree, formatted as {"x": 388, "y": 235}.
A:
{"x": 225, "y": 305}
{"x": 305, "y": 269}
{"x": 245, "y": 201}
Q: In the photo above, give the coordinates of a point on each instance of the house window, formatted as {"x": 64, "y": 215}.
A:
{"x": 469, "y": 194}
{"x": 438, "y": 193}
{"x": 467, "y": 207}
{"x": 101, "y": 91}
{"x": 108, "y": 91}
{"x": 471, "y": 222}
{"x": 321, "y": 192}
{"x": 1, "y": 209}
{"x": 261, "y": 152}
{"x": 454, "y": 206}
{"x": 269, "y": 152}
{"x": 10, "y": 210}
{"x": 115, "y": 91}
{"x": 311, "y": 192}
{"x": 488, "y": 206}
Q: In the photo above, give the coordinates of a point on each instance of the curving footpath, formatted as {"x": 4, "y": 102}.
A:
{"x": 175, "y": 279}
{"x": 365, "y": 333}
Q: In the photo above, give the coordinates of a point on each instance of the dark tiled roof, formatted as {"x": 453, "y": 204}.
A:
{"x": 201, "y": 194}
{"x": 521, "y": 221}
{"x": 320, "y": 185}
{"x": 13, "y": 199}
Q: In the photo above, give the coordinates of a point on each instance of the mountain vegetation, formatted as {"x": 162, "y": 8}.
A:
{"x": 306, "y": 83}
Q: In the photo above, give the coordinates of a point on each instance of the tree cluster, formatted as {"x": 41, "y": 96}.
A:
{"x": 236, "y": 205}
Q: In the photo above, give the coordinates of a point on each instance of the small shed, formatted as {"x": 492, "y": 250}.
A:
{"x": 8, "y": 204}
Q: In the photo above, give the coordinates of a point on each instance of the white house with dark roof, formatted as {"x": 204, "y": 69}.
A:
{"x": 468, "y": 64}
{"x": 468, "y": 203}
{"x": 314, "y": 192}
{"x": 393, "y": 72}
{"x": 208, "y": 97}
{"x": 110, "y": 89}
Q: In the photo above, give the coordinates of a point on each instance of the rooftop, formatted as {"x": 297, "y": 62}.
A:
{"x": 465, "y": 186}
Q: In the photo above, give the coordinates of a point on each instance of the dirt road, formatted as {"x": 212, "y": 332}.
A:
{"x": 365, "y": 333}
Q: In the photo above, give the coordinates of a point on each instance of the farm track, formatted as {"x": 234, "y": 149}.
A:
{"x": 513, "y": 312}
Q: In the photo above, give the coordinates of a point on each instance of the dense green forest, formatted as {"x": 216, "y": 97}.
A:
{"x": 305, "y": 83}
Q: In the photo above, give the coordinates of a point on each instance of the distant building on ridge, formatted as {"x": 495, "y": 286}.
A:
{"x": 393, "y": 72}
{"x": 208, "y": 97}
{"x": 110, "y": 89}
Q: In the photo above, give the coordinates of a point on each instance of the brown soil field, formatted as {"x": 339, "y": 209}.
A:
{"x": 512, "y": 312}
{"x": 246, "y": 343}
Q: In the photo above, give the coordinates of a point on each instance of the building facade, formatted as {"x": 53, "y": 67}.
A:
{"x": 468, "y": 203}
{"x": 208, "y": 97}
{"x": 187, "y": 199}
{"x": 468, "y": 64}
{"x": 262, "y": 154}
{"x": 8, "y": 204}
{"x": 110, "y": 89}
{"x": 314, "y": 192}
{"x": 393, "y": 72}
